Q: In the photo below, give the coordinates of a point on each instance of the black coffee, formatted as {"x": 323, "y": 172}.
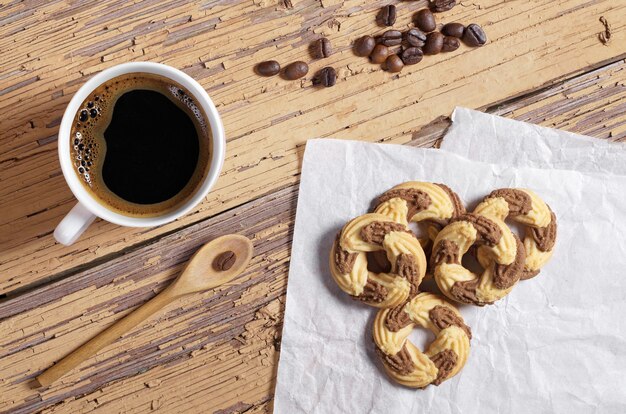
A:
{"x": 140, "y": 144}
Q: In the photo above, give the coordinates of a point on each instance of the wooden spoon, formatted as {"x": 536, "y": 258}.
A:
{"x": 202, "y": 273}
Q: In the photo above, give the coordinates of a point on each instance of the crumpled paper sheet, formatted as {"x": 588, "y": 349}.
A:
{"x": 557, "y": 343}
{"x": 489, "y": 138}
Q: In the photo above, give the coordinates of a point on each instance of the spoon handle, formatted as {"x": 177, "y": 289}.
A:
{"x": 106, "y": 337}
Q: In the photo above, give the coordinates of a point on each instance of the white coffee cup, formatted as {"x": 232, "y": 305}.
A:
{"x": 88, "y": 208}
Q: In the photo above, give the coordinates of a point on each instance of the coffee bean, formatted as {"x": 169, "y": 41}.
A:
{"x": 474, "y": 35}
{"x": 415, "y": 37}
{"x": 453, "y": 29}
{"x": 412, "y": 56}
{"x": 322, "y": 48}
{"x": 450, "y": 44}
{"x": 425, "y": 20}
{"x": 379, "y": 54}
{"x": 224, "y": 261}
{"x": 295, "y": 70}
{"x": 325, "y": 77}
{"x": 434, "y": 43}
{"x": 442, "y": 5}
{"x": 387, "y": 15}
{"x": 394, "y": 63}
{"x": 391, "y": 38}
{"x": 268, "y": 68}
{"x": 364, "y": 46}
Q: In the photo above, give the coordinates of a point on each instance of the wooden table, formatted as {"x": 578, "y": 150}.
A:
{"x": 218, "y": 352}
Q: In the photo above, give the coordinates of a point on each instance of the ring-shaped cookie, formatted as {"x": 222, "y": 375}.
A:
{"x": 370, "y": 233}
{"x": 417, "y": 201}
{"x": 402, "y": 360}
{"x": 527, "y": 208}
{"x": 500, "y": 253}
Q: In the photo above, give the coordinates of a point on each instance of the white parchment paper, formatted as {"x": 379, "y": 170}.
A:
{"x": 494, "y": 139}
{"x": 556, "y": 344}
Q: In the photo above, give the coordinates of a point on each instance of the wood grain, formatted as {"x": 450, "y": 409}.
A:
{"x": 49, "y": 48}
{"x": 215, "y": 352}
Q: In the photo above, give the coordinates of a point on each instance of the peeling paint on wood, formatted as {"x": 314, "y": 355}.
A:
{"x": 218, "y": 351}
{"x": 48, "y": 50}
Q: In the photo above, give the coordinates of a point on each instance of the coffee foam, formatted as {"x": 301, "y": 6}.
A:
{"x": 88, "y": 146}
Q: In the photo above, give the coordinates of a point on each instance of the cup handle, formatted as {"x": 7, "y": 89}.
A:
{"x": 73, "y": 224}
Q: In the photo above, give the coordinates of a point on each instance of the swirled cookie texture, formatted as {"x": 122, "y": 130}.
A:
{"x": 416, "y": 201}
{"x": 527, "y": 208}
{"x": 500, "y": 253}
{"x": 377, "y": 260}
{"x": 407, "y": 364}
{"x": 373, "y": 233}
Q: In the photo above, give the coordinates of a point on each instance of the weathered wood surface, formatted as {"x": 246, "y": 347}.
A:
{"x": 49, "y": 48}
{"x": 216, "y": 351}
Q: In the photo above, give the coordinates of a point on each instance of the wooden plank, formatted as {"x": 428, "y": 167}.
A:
{"x": 47, "y": 50}
{"x": 230, "y": 331}
{"x": 212, "y": 351}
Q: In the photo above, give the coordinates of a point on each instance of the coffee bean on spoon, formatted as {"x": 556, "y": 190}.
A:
{"x": 295, "y": 70}
{"x": 268, "y": 68}
{"x": 425, "y": 20}
{"x": 415, "y": 37}
{"x": 391, "y": 38}
{"x": 387, "y": 15}
{"x": 322, "y": 48}
{"x": 412, "y": 55}
{"x": 394, "y": 64}
{"x": 379, "y": 54}
{"x": 453, "y": 29}
{"x": 442, "y": 5}
{"x": 474, "y": 35}
{"x": 364, "y": 46}
{"x": 434, "y": 43}
{"x": 326, "y": 77}
{"x": 450, "y": 44}
{"x": 224, "y": 261}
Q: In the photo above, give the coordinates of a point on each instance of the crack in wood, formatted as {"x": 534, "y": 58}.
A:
{"x": 221, "y": 351}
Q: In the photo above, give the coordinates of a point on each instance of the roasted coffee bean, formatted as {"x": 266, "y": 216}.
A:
{"x": 450, "y": 44}
{"x": 364, "y": 46}
{"x": 322, "y": 48}
{"x": 391, "y": 38}
{"x": 442, "y": 5}
{"x": 434, "y": 43}
{"x": 295, "y": 70}
{"x": 474, "y": 35}
{"x": 379, "y": 54}
{"x": 415, "y": 37}
{"x": 268, "y": 68}
{"x": 326, "y": 77}
{"x": 425, "y": 20}
{"x": 412, "y": 55}
{"x": 394, "y": 63}
{"x": 224, "y": 261}
{"x": 387, "y": 15}
{"x": 453, "y": 29}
